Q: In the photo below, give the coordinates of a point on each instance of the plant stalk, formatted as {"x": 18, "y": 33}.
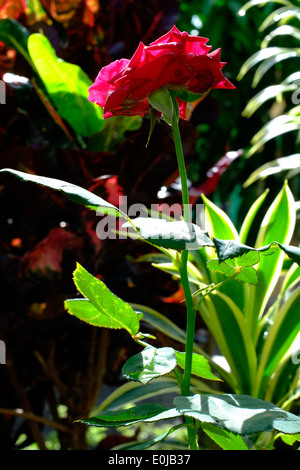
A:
{"x": 183, "y": 271}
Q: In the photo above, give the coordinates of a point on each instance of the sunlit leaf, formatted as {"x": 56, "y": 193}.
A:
{"x": 291, "y": 53}
{"x": 274, "y": 128}
{"x": 250, "y": 216}
{"x": 280, "y": 14}
{"x": 104, "y": 309}
{"x": 239, "y": 414}
{"x": 200, "y": 365}
{"x": 67, "y": 85}
{"x": 228, "y": 326}
{"x": 276, "y": 53}
{"x": 265, "y": 95}
{"x": 223, "y": 438}
{"x": 253, "y": 3}
{"x": 177, "y": 235}
{"x": 280, "y": 338}
{"x": 150, "y": 364}
{"x": 281, "y": 31}
{"x": 275, "y": 166}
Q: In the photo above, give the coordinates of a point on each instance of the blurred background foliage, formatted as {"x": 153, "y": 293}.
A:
{"x": 54, "y": 361}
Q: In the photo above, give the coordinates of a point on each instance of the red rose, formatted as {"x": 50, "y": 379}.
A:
{"x": 176, "y": 61}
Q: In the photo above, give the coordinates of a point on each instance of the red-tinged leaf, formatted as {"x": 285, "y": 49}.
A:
{"x": 113, "y": 190}
{"x": 177, "y": 297}
{"x": 46, "y": 257}
{"x": 12, "y": 8}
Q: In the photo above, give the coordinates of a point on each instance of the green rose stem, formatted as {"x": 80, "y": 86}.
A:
{"x": 191, "y": 311}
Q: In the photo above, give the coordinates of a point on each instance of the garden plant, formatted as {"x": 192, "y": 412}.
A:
{"x": 228, "y": 281}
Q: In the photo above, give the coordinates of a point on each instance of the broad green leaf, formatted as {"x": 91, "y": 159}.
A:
{"x": 291, "y": 278}
{"x": 107, "y": 309}
{"x": 67, "y": 85}
{"x": 166, "y": 326}
{"x": 217, "y": 222}
{"x": 250, "y": 216}
{"x": 284, "y": 331}
{"x": 177, "y": 235}
{"x": 149, "y": 364}
{"x": 14, "y": 35}
{"x": 240, "y": 414}
{"x": 200, "y": 365}
{"x": 223, "y": 438}
{"x": 231, "y": 333}
{"x": 278, "y": 224}
{"x": 283, "y": 386}
{"x": 219, "y": 225}
{"x": 73, "y": 192}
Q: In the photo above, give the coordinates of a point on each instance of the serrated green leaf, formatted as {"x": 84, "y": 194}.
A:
{"x": 290, "y": 439}
{"x": 150, "y": 412}
{"x": 106, "y": 310}
{"x": 223, "y": 268}
{"x": 74, "y": 193}
{"x": 149, "y": 364}
{"x": 240, "y": 414}
{"x": 178, "y": 235}
{"x": 228, "y": 249}
{"x": 247, "y": 275}
{"x": 200, "y": 365}
{"x": 223, "y": 438}
{"x": 67, "y": 85}
{"x": 112, "y": 419}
